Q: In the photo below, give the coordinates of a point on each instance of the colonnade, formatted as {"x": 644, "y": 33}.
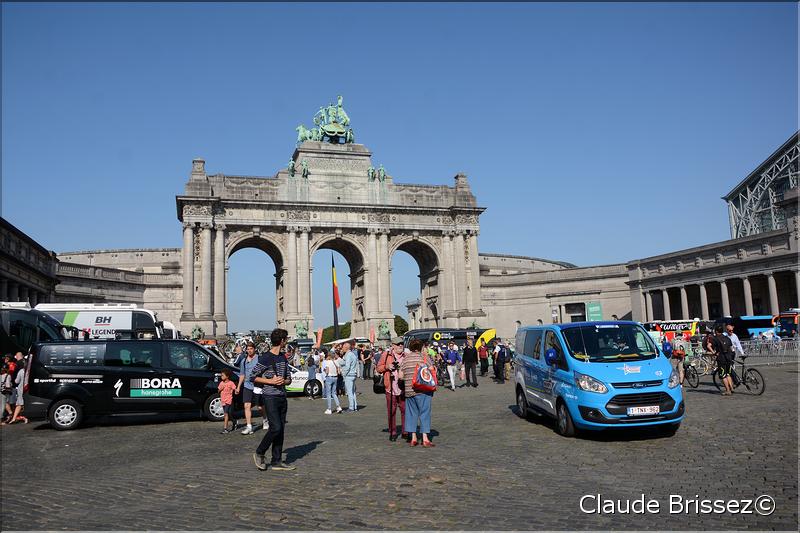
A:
{"x": 14, "y": 291}
{"x": 767, "y": 293}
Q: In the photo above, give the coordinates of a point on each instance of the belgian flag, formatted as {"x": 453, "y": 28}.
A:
{"x": 336, "y": 301}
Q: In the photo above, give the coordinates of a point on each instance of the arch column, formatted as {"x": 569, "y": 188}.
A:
{"x": 460, "y": 271}
{"x": 665, "y": 302}
{"x": 726, "y": 303}
{"x": 773, "y": 294}
{"x": 290, "y": 294}
{"x": 648, "y": 297}
{"x": 371, "y": 278}
{"x": 385, "y": 275}
{"x": 4, "y": 290}
{"x": 447, "y": 284}
{"x": 474, "y": 277}
{"x": 23, "y": 293}
{"x": 684, "y": 303}
{"x": 188, "y": 272}
{"x": 219, "y": 272}
{"x": 748, "y": 296}
{"x": 205, "y": 271}
{"x": 703, "y": 301}
{"x": 304, "y": 275}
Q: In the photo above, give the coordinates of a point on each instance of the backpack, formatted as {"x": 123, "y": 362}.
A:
{"x": 424, "y": 377}
{"x": 667, "y": 348}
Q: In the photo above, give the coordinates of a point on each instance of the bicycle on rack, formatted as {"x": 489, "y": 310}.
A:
{"x": 753, "y": 380}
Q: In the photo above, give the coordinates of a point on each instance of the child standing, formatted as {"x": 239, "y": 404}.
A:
{"x": 226, "y": 389}
{"x": 5, "y": 390}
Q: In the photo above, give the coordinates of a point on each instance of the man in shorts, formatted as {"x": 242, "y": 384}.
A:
{"x": 250, "y": 396}
{"x": 723, "y": 348}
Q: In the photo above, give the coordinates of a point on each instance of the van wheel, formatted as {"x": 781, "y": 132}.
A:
{"x": 313, "y": 388}
{"x": 213, "y": 408}
{"x": 522, "y": 404}
{"x": 65, "y": 414}
{"x": 564, "y": 421}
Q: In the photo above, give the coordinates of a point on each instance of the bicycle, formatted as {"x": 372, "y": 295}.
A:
{"x": 753, "y": 380}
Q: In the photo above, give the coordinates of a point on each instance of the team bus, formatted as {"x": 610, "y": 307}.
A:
{"x": 748, "y": 326}
{"x": 786, "y": 323}
{"x": 106, "y": 321}
{"x": 445, "y": 335}
{"x": 658, "y": 329}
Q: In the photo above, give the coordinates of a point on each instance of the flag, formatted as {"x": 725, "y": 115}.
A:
{"x": 319, "y": 338}
{"x": 372, "y": 334}
{"x": 336, "y": 302}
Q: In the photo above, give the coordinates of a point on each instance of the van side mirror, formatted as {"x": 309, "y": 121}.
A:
{"x": 550, "y": 357}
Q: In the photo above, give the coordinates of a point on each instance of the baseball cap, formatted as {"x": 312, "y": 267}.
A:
{"x": 397, "y": 340}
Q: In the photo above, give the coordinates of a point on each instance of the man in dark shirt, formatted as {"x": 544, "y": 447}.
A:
{"x": 470, "y": 360}
{"x": 272, "y": 375}
{"x": 723, "y": 347}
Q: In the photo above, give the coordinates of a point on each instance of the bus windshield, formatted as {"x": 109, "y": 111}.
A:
{"x": 609, "y": 342}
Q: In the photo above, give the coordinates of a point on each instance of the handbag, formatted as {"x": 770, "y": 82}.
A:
{"x": 378, "y": 386}
{"x": 424, "y": 377}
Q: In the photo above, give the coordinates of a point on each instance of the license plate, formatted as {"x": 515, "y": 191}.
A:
{"x": 638, "y": 411}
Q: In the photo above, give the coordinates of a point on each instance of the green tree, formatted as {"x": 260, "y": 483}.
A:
{"x": 328, "y": 333}
{"x": 400, "y": 325}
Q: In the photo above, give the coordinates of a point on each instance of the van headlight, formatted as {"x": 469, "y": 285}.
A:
{"x": 589, "y": 384}
{"x": 674, "y": 380}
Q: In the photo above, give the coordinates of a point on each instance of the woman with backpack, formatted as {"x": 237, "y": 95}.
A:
{"x": 416, "y": 368}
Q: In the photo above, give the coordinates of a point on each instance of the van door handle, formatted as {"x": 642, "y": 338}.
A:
{"x": 168, "y": 372}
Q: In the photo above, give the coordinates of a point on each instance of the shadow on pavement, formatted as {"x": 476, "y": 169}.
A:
{"x": 298, "y": 452}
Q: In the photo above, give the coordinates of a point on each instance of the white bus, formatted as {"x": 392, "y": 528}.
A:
{"x": 105, "y": 321}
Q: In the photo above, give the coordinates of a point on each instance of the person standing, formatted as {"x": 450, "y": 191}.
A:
{"x": 452, "y": 358}
{"x": 470, "y": 360}
{"x": 418, "y": 403}
{"x": 678, "y": 356}
{"x": 251, "y": 395}
{"x": 360, "y": 358}
{"x": 723, "y": 347}
{"x": 737, "y": 344}
{"x": 349, "y": 372}
{"x": 272, "y": 374}
{"x": 339, "y": 361}
{"x": 389, "y": 366}
{"x": 331, "y": 373}
{"x": 312, "y": 363}
{"x": 18, "y": 393}
{"x": 226, "y": 389}
{"x": 500, "y": 355}
{"x": 483, "y": 355}
{"x": 366, "y": 359}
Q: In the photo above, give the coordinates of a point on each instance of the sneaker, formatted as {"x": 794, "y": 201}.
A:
{"x": 282, "y": 466}
{"x": 259, "y": 461}
{"x": 225, "y": 431}
{"x": 338, "y": 409}
{"x": 328, "y": 412}
{"x": 248, "y": 430}
{"x": 266, "y": 426}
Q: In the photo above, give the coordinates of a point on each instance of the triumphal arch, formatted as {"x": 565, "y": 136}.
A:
{"x": 330, "y": 195}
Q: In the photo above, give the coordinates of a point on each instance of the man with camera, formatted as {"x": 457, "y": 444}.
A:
{"x": 389, "y": 366}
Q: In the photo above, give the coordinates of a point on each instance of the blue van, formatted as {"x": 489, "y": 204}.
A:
{"x": 596, "y": 375}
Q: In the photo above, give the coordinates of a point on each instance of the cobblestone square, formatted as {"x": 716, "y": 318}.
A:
{"x": 490, "y": 469}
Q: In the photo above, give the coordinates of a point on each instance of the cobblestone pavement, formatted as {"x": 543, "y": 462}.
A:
{"x": 490, "y": 469}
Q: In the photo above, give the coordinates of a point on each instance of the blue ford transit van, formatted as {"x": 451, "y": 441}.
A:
{"x": 596, "y": 375}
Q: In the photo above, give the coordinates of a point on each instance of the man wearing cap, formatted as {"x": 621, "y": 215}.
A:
{"x": 389, "y": 366}
{"x": 349, "y": 372}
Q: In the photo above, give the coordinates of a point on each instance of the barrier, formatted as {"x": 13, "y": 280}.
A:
{"x": 760, "y": 351}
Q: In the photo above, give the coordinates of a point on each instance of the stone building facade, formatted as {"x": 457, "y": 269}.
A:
{"x": 27, "y": 269}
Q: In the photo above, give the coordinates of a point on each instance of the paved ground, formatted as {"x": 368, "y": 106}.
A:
{"x": 490, "y": 470}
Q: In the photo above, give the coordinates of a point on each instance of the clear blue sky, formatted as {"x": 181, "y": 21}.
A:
{"x": 593, "y": 133}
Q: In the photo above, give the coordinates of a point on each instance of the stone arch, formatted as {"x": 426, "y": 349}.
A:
{"x": 275, "y": 252}
{"x": 427, "y": 256}
{"x": 346, "y": 245}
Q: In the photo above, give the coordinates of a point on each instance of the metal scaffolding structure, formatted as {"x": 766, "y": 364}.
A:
{"x": 752, "y": 205}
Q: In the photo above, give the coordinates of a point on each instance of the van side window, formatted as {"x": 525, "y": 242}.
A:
{"x": 551, "y": 341}
{"x": 72, "y": 355}
{"x": 22, "y": 329}
{"x": 533, "y": 344}
{"x": 133, "y": 354}
{"x": 181, "y": 355}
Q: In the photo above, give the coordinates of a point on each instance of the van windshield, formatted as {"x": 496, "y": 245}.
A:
{"x": 609, "y": 342}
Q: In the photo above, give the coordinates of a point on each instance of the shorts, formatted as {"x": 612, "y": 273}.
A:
{"x": 723, "y": 368}
{"x": 227, "y": 409}
{"x": 676, "y": 362}
{"x": 16, "y": 398}
{"x": 248, "y": 396}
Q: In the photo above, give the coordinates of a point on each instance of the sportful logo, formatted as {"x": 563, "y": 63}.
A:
{"x": 155, "y": 387}
{"x": 629, "y": 369}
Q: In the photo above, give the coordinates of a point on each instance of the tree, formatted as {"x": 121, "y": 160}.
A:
{"x": 400, "y": 325}
{"x": 327, "y": 333}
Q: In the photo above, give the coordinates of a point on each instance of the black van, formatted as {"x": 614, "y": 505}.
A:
{"x": 125, "y": 377}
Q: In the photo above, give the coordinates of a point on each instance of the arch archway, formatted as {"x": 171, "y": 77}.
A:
{"x": 426, "y": 256}
{"x": 353, "y": 254}
{"x": 252, "y": 241}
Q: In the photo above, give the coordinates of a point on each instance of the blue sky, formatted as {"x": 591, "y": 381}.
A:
{"x": 592, "y": 133}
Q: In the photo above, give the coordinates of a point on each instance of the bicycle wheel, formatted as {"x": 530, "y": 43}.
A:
{"x": 691, "y": 377}
{"x": 718, "y": 382}
{"x": 703, "y": 366}
{"x": 754, "y": 382}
